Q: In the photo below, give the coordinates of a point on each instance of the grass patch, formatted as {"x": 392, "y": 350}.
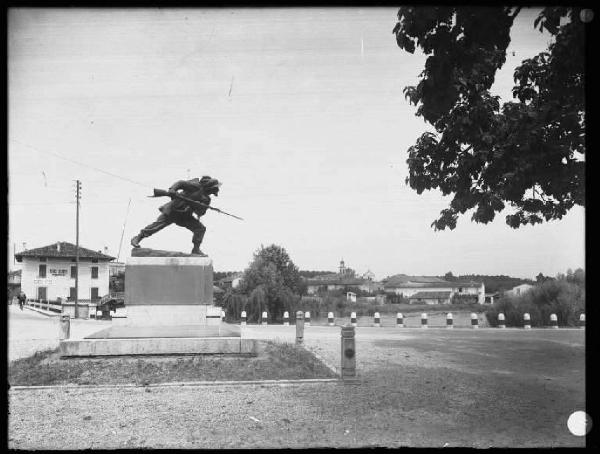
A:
{"x": 274, "y": 362}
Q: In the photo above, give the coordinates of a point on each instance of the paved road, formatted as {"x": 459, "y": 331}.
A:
{"x": 29, "y": 331}
{"x": 433, "y": 387}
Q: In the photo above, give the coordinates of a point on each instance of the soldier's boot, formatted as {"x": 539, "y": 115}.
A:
{"x": 135, "y": 241}
{"x": 196, "y": 250}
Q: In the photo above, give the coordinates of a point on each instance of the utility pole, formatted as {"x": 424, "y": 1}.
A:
{"x": 78, "y": 198}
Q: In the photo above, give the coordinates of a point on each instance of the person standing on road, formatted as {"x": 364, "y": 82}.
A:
{"x": 22, "y": 298}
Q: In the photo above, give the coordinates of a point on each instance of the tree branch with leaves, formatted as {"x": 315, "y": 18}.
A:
{"x": 527, "y": 153}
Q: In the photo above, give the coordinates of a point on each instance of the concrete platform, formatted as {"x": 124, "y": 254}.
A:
{"x": 158, "y": 346}
{"x": 189, "y": 331}
{"x": 161, "y": 340}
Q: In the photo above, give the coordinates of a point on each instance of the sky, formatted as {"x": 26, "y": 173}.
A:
{"x": 299, "y": 112}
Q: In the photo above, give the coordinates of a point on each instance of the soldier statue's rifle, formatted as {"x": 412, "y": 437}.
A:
{"x": 176, "y": 195}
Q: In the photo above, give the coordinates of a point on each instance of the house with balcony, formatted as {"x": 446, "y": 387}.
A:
{"x": 48, "y": 273}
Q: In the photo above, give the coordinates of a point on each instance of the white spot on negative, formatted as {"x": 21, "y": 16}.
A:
{"x": 579, "y": 423}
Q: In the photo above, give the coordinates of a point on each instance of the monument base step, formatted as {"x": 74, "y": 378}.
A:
{"x": 157, "y": 346}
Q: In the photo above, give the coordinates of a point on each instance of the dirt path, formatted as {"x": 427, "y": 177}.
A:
{"x": 456, "y": 388}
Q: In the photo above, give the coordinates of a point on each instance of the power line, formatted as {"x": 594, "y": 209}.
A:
{"x": 82, "y": 164}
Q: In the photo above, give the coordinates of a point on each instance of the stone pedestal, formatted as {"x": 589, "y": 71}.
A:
{"x": 163, "y": 290}
{"x": 169, "y": 303}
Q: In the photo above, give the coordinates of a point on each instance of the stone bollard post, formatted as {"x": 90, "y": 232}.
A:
{"x": 286, "y": 318}
{"x": 299, "y": 328}
{"x": 243, "y": 322}
{"x": 64, "y": 331}
{"x": 353, "y": 318}
{"x": 501, "y": 323}
{"x": 526, "y": 321}
{"x": 449, "y": 320}
{"x": 376, "y": 319}
{"x": 553, "y": 321}
{"x": 330, "y": 321}
{"x": 399, "y": 320}
{"x": 264, "y": 318}
{"x": 474, "y": 320}
{"x": 423, "y": 320}
{"x": 307, "y": 318}
{"x": 348, "y": 353}
{"x": 582, "y": 321}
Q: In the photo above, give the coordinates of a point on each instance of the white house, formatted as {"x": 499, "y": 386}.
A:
{"x": 232, "y": 281}
{"x": 432, "y": 290}
{"x": 48, "y": 272}
{"x": 519, "y": 290}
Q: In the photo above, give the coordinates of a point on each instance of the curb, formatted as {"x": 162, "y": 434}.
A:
{"x": 181, "y": 384}
{"x": 43, "y": 312}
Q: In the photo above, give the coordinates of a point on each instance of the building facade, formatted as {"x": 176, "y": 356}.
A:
{"x": 519, "y": 290}
{"x": 433, "y": 290}
{"x": 48, "y": 273}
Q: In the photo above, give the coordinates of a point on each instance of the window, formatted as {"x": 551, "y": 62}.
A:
{"x": 73, "y": 272}
{"x": 42, "y": 259}
{"x": 459, "y": 289}
{"x": 94, "y": 272}
{"x": 94, "y": 260}
{"x": 95, "y": 293}
{"x": 42, "y": 271}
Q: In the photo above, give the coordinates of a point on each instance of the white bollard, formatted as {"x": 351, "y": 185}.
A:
{"x": 222, "y": 315}
{"x": 526, "y": 321}
{"x": 423, "y": 320}
{"x": 553, "y": 321}
{"x": 582, "y": 321}
{"x": 286, "y": 318}
{"x": 330, "y": 321}
{"x": 264, "y": 318}
{"x": 376, "y": 319}
{"x": 449, "y": 321}
{"x": 243, "y": 322}
{"x": 399, "y": 320}
{"x": 501, "y": 323}
{"x": 307, "y": 318}
{"x": 353, "y": 318}
{"x": 474, "y": 320}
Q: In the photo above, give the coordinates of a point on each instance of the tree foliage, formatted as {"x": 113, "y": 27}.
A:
{"x": 272, "y": 283}
{"x": 564, "y": 296}
{"x": 527, "y": 153}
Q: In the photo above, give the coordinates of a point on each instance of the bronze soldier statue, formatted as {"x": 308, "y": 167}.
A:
{"x": 182, "y": 208}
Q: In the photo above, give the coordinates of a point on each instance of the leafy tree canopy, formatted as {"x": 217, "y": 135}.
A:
{"x": 272, "y": 280}
{"x": 527, "y": 153}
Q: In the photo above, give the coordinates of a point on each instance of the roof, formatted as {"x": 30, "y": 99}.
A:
{"x": 65, "y": 250}
{"x": 431, "y": 295}
{"x": 231, "y": 277}
{"x": 403, "y": 278}
{"x": 339, "y": 281}
{"x": 404, "y": 281}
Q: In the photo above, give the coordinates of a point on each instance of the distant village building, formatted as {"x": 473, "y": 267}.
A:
{"x": 14, "y": 283}
{"x": 344, "y": 280}
{"x": 48, "y": 272}
{"x": 232, "y": 281}
{"x": 432, "y": 290}
{"x": 115, "y": 268}
{"x": 351, "y": 296}
{"x": 519, "y": 290}
{"x": 491, "y": 297}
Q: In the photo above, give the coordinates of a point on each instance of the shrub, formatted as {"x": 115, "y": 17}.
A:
{"x": 561, "y": 297}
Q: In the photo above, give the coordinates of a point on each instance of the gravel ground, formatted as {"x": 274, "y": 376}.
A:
{"x": 434, "y": 387}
